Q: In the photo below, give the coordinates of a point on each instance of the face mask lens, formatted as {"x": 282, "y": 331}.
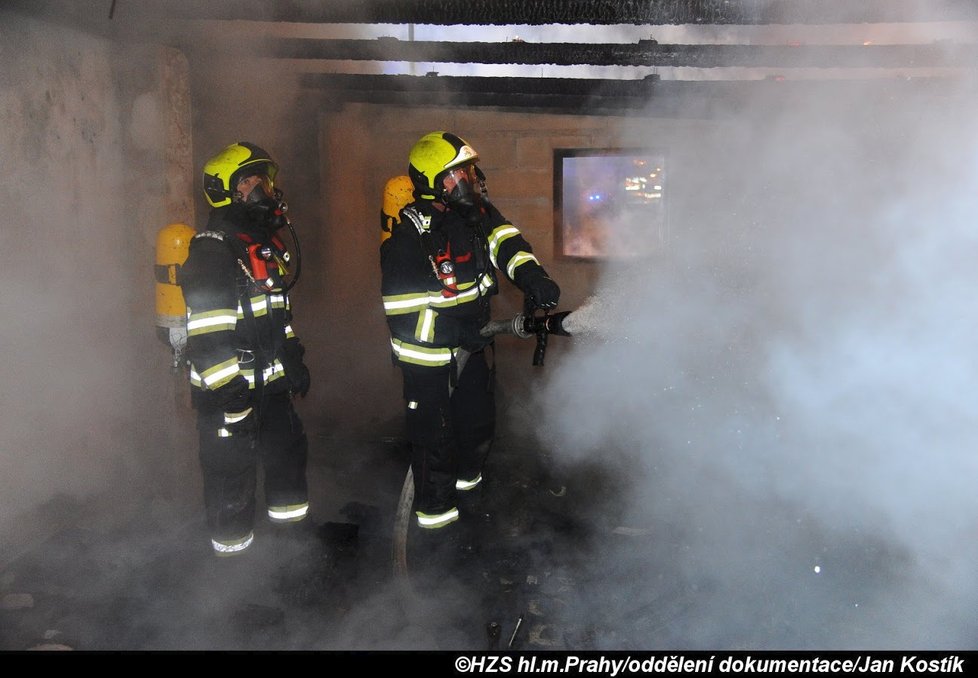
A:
{"x": 460, "y": 182}
{"x": 454, "y": 178}
{"x": 462, "y": 191}
{"x": 263, "y": 188}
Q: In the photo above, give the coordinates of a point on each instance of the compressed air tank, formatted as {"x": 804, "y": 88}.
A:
{"x": 172, "y": 247}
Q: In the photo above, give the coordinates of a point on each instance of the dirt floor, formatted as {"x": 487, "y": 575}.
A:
{"x": 552, "y": 558}
{"x": 150, "y": 581}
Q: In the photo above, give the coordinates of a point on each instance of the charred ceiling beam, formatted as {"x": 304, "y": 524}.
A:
{"x": 600, "y": 97}
{"x": 533, "y": 12}
{"x": 644, "y": 53}
{"x": 567, "y": 93}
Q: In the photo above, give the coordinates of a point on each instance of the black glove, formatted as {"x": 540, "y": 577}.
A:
{"x": 296, "y": 370}
{"x": 542, "y": 291}
{"x": 298, "y": 375}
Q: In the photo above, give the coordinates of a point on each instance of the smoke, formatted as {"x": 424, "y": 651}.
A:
{"x": 785, "y": 396}
{"x": 779, "y": 401}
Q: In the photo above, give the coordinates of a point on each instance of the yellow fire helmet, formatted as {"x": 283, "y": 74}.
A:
{"x": 223, "y": 171}
{"x": 433, "y": 155}
{"x": 398, "y": 194}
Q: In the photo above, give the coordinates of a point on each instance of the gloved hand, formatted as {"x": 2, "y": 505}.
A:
{"x": 295, "y": 370}
{"x": 298, "y": 375}
{"x": 542, "y": 291}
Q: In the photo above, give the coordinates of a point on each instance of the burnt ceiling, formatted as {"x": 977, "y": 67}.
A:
{"x": 577, "y": 56}
{"x": 598, "y": 12}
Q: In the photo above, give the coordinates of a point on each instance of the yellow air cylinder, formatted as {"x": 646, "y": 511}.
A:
{"x": 398, "y": 194}
{"x": 172, "y": 247}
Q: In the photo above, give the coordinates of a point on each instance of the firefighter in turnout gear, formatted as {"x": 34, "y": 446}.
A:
{"x": 246, "y": 361}
{"x": 440, "y": 267}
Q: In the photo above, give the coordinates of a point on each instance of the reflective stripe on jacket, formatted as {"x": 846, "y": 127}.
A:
{"x": 428, "y": 320}
{"x": 235, "y": 327}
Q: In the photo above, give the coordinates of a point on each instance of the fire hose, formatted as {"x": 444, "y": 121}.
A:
{"x": 524, "y": 325}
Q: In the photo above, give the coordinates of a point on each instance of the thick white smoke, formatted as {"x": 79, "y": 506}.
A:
{"x": 787, "y": 394}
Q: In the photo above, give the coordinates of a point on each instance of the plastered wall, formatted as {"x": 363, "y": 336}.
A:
{"x": 95, "y": 141}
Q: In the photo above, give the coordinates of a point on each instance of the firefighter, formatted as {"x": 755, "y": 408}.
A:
{"x": 246, "y": 361}
{"x": 440, "y": 268}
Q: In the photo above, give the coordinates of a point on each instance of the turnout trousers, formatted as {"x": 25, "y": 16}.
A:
{"x": 451, "y": 432}
{"x": 274, "y": 438}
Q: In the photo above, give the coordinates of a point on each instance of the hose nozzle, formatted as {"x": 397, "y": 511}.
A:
{"x": 526, "y": 325}
{"x": 542, "y": 327}
{"x": 551, "y": 324}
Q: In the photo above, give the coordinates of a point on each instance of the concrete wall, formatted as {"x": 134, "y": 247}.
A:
{"x": 94, "y": 151}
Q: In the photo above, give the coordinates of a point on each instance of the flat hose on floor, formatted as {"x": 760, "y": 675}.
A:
{"x": 402, "y": 521}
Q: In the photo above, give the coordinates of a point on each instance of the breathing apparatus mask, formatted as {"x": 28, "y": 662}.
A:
{"x": 266, "y": 206}
{"x": 464, "y": 191}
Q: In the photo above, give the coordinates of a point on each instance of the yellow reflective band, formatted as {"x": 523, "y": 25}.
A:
{"x": 395, "y": 304}
{"x": 425, "y": 330}
{"x": 420, "y": 355}
{"x": 220, "y": 374}
{"x": 235, "y": 417}
{"x": 464, "y": 485}
{"x": 486, "y": 283}
{"x": 288, "y": 514}
{"x": 433, "y": 522}
{"x": 268, "y": 374}
{"x": 496, "y": 238}
{"x": 289, "y": 333}
{"x": 438, "y": 301}
{"x": 210, "y": 321}
{"x": 275, "y": 370}
{"x": 259, "y": 306}
{"x": 277, "y": 300}
{"x": 224, "y": 547}
{"x": 517, "y": 260}
{"x": 400, "y": 304}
